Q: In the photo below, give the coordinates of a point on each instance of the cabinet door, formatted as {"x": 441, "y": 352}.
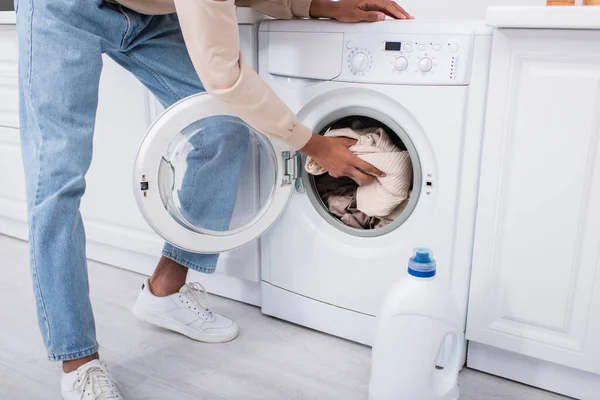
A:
{"x": 534, "y": 286}
{"x": 13, "y": 206}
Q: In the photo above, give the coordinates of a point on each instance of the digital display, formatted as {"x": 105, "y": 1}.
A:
{"x": 393, "y": 46}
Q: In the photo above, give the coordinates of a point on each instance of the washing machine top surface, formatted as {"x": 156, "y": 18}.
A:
{"x": 468, "y": 27}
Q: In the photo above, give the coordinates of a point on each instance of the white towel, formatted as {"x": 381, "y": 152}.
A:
{"x": 381, "y": 196}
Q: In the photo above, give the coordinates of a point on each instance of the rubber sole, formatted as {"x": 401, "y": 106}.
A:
{"x": 176, "y": 326}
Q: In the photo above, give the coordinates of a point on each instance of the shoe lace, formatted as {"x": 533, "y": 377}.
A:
{"x": 198, "y": 295}
{"x": 96, "y": 380}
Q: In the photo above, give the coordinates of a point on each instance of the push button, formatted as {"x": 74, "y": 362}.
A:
{"x": 454, "y": 48}
{"x": 407, "y": 47}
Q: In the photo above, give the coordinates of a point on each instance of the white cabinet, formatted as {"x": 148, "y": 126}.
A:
{"x": 534, "y": 310}
{"x": 12, "y": 182}
{"x": 116, "y": 232}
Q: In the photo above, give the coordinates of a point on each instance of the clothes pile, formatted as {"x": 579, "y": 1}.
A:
{"x": 376, "y": 204}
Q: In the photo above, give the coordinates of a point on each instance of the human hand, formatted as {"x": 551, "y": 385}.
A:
{"x": 333, "y": 155}
{"x": 357, "y": 10}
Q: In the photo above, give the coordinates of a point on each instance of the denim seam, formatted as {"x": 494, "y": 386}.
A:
{"x": 30, "y": 35}
{"x": 187, "y": 263}
{"x": 155, "y": 74}
{"x": 34, "y": 269}
{"x": 189, "y": 199}
{"x": 76, "y": 355}
{"x": 128, "y": 26}
{"x": 201, "y": 149}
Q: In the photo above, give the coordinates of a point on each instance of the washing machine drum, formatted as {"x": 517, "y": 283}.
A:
{"x": 359, "y": 108}
{"x": 207, "y": 182}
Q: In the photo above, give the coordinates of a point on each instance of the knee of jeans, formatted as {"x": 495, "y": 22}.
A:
{"x": 71, "y": 188}
{"x": 238, "y": 138}
{"x": 232, "y": 140}
{"x": 61, "y": 177}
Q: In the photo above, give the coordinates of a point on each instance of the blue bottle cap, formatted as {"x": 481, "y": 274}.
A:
{"x": 422, "y": 264}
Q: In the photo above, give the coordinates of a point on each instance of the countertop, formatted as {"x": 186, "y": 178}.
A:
{"x": 245, "y": 16}
{"x": 543, "y": 17}
{"x": 7, "y": 18}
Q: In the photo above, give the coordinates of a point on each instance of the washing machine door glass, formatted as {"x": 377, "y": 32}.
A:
{"x": 207, "y": 182}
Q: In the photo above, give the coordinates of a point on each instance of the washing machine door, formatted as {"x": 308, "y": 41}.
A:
{"x": 207, "y": 182}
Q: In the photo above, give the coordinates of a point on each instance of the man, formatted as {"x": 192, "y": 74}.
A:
{"x": 60, "y": 48}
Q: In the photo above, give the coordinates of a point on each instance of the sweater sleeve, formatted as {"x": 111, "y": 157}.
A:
{"x": 211, "y": 34}
{"x": 282, "y": 9}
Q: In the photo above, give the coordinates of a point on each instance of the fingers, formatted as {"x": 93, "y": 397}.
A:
{"x": 403, "y": 11}
{"x": 395, "y": 8}
{"x": 355, "y": 174}
{"x": 362, "y": 172}
{"x": 389, "y": 7}
{"x": 368, "y": 168}
{"x": 348, "y": 142}
{"x": 371, "y": 16}
{"x": 361, "y": 178}
{"x": 349, "y": 164}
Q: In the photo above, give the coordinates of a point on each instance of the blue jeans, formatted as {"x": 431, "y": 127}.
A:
{"x": 60, "y": 48}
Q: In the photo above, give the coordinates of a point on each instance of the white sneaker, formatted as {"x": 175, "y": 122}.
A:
{"x": 185, "y": 312}
{"x": 90, "y": 381}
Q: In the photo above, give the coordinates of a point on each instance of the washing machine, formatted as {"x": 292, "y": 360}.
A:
{"x": 424, "y": 82}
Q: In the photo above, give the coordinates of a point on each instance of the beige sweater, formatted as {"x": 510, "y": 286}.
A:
{"x": 211, "y": 34}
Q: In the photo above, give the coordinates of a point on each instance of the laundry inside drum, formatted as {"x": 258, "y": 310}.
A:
{"x": 382, "y": 204}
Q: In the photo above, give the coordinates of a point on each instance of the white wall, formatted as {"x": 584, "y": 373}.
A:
{"x": 458, "y": 9}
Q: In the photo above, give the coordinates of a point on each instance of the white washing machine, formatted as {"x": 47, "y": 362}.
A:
{"x": 426, "y": 82}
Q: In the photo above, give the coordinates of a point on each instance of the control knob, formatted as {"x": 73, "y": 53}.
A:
{"x": 425, "y": 64}
{"x": 401, "y": 63}
{"x": 360, "y": 62}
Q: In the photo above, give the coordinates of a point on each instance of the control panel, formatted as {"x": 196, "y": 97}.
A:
{"x": 405, "y": 59}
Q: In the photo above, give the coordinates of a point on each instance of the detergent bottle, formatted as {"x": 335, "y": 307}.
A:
{"x": 419, "y": 341}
